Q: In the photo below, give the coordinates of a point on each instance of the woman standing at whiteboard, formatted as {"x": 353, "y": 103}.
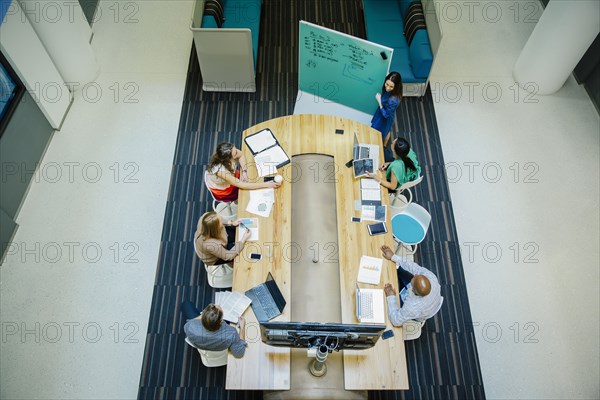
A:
{"x": 388, "y": 100}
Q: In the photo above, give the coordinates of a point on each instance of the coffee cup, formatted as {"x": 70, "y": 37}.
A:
{"x": 278, "y": 179}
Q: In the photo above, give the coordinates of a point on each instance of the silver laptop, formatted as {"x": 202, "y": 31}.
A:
{"x": 369, "y": 305}
{"x": 361, "y": 151}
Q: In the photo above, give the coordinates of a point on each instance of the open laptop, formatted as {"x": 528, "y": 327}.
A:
{"x": 369, "y": 305}
{"x": 267, "y": 300}
{"x": 361, "y": 151}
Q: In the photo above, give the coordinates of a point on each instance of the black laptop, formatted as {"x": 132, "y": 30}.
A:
{"x": 267, "y": 300}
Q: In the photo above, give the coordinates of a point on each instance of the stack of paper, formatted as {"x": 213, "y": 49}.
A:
{"x": 261, "y": 202}
{"x": 249, "y": 223}
{"x": 233, "y": 304}
{"x": 370, "y": 270}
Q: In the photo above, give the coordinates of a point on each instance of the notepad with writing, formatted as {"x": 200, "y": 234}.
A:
{"x": 267, "y": 152}
{"x": 369, "y": 270}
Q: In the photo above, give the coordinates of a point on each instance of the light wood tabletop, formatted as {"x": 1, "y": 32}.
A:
{"x": 383, "y": 367}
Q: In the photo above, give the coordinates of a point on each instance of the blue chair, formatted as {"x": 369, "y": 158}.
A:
{"x": 410, "y": 226}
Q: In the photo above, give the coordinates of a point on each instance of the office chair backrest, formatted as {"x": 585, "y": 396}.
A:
{"x": 210, "y": 358}
{"x": 398, "y": 201}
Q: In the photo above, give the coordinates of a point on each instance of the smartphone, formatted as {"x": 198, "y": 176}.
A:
{"x": 355, "y": 219}
{"x": 350, "y": 163}
{"x": 255, "y": 256}
{"x": 339, "y": 131}
{"x": 387, "y": 334}
{"x": 377, "y": 229}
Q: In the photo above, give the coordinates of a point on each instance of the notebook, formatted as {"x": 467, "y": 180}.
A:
{"x": 369, "y": 306}
{"x": 267, "y": 300}
{"x": 268, "y": 154}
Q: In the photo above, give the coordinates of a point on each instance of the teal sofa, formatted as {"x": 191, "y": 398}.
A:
{"x": 400, "y": 24}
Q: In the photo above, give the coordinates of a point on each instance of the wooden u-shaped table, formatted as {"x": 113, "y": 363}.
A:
{"x": 383, "y": 367}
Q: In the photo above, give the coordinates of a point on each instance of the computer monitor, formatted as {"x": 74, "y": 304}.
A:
{"x": 313, "y": 334}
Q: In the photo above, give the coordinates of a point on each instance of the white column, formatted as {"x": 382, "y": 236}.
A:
{"x": 561, "y": 37}
{"x": 64, "y": 31}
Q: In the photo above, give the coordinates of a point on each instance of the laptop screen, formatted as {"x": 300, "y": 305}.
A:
{"x": 275, "y": 292}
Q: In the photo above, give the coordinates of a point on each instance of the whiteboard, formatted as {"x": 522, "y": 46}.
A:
{"x": 341, "y": 68}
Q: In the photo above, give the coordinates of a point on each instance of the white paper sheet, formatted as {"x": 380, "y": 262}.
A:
{"x": 370, "y": 270}
{"x": 233, "y": 304}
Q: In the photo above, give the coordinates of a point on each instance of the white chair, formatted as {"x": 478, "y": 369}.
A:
{"x": 210, "y": 358}
{"x": 218, "y": 276}
{"x": 409, "y": 227}
{"x": 398, "y": 201}
{"x": 411, "y": 329}
{"x": 227, "y": 210}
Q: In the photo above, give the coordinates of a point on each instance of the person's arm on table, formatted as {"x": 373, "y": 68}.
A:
{"x": 217, "y": 249}
{"x": 238, "y": 345}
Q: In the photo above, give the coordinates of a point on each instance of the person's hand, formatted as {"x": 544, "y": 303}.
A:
{"x": 241, "y": 322}
{"x": 373, "y": 175}
{"x": 389, "y": 290}
{"x": 236, "y": 222}
{"x": 378, "y": 97}
{"x": 247, "y": 235}
{"x": 387, "y": 252}
{"x": 273, "y": 184}
{"x": 384, "y": 166}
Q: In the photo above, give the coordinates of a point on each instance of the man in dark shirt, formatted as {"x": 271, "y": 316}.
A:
{"x": 208, "y": 331}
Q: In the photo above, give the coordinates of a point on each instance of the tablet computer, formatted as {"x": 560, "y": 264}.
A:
{"x": 377, "y": 229}
{"x": 361, "y": 167}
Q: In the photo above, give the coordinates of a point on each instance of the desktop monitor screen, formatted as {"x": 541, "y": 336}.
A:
{"x": 313, "y": 334}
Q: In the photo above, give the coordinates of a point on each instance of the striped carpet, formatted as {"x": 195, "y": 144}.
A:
{"x": 442, "y": 364}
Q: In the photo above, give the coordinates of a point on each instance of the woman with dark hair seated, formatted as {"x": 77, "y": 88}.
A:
{"x": 208, "y": 331}
{"x": 227, "y": 174}
{"x": 404, "y": 168}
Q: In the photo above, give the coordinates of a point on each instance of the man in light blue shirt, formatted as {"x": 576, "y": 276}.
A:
{"x": 421, "y": 299}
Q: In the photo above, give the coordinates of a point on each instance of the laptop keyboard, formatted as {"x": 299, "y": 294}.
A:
{"x": 366, "y": 305}
{"x": 266, "y": 301}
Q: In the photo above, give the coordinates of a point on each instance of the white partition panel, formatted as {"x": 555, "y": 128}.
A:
{"x": 225, "y": 56}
